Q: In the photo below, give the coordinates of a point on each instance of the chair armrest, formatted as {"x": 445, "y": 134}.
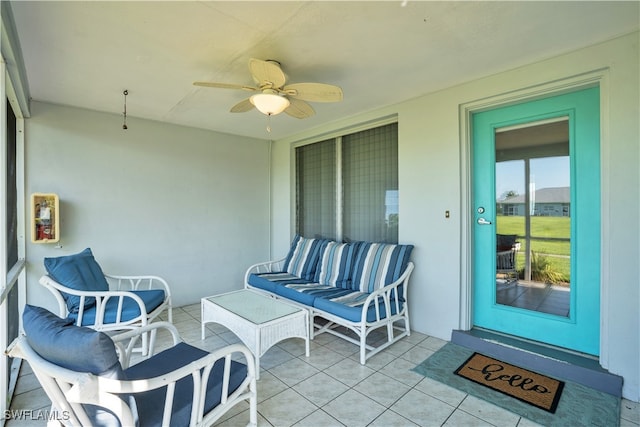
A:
{"x": 140, "y": 283}
{"x": 100, "y": 390}
{"x": 264, "y": 267}
{"x": 53, "y": 287}
{"x": 137, "y": 283}
{"x": 101, "y": 298}
{"x": 388, "y": 294}
{"x": 126, "y": 341}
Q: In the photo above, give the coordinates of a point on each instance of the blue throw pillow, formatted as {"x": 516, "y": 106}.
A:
{"x": 378, "y": 265}
{"x": 79, "y": 349}
{"x": 335, "y": 267}
{"x": 73, "y": 347}
{"x": 303, "y": 257}
{"x": 80, "y": 272}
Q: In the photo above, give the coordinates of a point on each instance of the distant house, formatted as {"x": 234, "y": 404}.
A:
{"x": 554, "y": 201}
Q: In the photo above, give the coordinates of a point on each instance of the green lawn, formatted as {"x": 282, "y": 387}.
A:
{"x": 542, "y": 227}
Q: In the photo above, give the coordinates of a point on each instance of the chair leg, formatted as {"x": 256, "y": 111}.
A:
{"x": 389, "y": 331}
{"x": 145, "y": 344}
{"x": 253, "y": 412}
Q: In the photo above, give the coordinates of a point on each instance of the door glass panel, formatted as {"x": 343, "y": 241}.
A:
{"x": 533, "y": 217}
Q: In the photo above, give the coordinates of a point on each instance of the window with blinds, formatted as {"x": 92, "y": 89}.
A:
{"x": 347, "y": 187}
{"x": 316, "y": 190}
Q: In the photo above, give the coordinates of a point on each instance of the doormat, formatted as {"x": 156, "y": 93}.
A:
{"x": 530, "y": 387}
{"x": 579, "y": 405}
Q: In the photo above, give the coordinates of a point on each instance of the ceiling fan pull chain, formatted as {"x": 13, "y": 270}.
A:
{"x": 124, "y": 124}
{"x": 269, "y": 123}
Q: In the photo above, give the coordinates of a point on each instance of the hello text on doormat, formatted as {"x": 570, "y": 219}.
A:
{"x": 530, "y": 387}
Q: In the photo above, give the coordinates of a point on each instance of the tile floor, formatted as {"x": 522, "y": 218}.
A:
{"x": 331, "y": 388}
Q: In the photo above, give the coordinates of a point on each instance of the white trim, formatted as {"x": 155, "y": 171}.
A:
{"x": 532, "y": 124}
{"x": 599, "y": 77}
{"x": 605, "y": 172}
{"x": 16, "y": 275}
{"x": 337, "y": 133}
{"x": 339, "y": 191}
{"x": 4, "y": 288}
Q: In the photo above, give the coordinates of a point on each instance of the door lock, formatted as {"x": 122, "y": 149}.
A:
{"x": 483, "y": 221}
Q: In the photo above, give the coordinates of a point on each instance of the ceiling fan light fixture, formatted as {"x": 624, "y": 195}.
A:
{"x": 269, "y": 104}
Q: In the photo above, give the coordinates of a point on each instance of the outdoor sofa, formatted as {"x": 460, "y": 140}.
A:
{"x": 360, "y": 286}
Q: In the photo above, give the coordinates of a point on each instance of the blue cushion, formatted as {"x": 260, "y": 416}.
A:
{"x": 279, "y": 284}
{"x": 379, "y": 264}
{"x": 80, "y": 272}
{"x": 270, "y": 281}
{"x": 303, "y": 293}
{"x": 303, "y": 256}
{"x": 335, "y": 267}
{"x": 73, "y": 347}
{"x": 349, "y": 306}
{"x": 79, "y": 349}
{"x": 150, "y": 403}
{"x": 130, "y": 310}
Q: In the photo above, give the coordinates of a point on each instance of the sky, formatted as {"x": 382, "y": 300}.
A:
{"x": 546, "y": 172}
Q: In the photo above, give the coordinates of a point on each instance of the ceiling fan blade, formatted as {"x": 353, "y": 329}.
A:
{"x": 299, "y": 109}
{"x": 267, "y": 73}
{"x": 314, "y": 92}
{"x": 242, "y": 106}
{"x": 225, "y": 86}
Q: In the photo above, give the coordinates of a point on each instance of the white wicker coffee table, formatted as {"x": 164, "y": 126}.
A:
{"x": 258, "y": 320}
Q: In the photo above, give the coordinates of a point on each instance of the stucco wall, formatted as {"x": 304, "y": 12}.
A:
{"x": 433, "y": 174}
{"x": 189, "y": 205}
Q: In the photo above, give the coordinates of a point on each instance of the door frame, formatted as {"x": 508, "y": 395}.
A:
{"x": 589, "y": 79}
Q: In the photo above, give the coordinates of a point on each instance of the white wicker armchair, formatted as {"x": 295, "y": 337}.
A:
{"x": 181, "y": 385}
{"x": 131, "y": 302}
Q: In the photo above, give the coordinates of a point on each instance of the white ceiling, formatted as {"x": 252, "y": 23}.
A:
{"x": 85, "y": 53}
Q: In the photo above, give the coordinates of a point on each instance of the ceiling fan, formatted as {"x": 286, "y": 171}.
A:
{"x": 274, "y": 97}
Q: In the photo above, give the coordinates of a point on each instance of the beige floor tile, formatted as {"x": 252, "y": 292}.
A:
{"x": 320, "y": 389}
{"x": 294, "y": 371}
{"x": 354, "y": 409}
{"x": 319, "y": 418}
{"x": 273, "y": 357}
{"x": 381, "y": 388}
{"x": 349, "y": 372}
{"x": 241, "y": 420}
{"x": 400, "y": 369}
{"x": 322, "y": 357}
{"x": 630, "y": 411}
{"x": 440, "y": 391}
{"x": 296, "y": 346}
{"x": 269, "y": 385}
{"x": 331, "y": 387}
{"x": 461, "y": 418}
{"x": 422, "y": 409}
{"x": 488, "y": 412}
{"x": 391, "y": 419}
{"x": 416, "y": 354}
{"x": 286, "y": 408}
{"x": 26, "y": 382}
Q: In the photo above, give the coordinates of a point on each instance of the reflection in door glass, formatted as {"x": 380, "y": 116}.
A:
{"x": 533, "y": 217}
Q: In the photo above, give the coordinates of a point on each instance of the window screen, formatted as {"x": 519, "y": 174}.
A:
{"x": 370, "y": 184}
{"x": 11, "y": 200}
{"x": 316, "y": 190}
{"x": 368, "y": 177}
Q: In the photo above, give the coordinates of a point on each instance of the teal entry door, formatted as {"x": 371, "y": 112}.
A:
{"x": 536, "y": 232}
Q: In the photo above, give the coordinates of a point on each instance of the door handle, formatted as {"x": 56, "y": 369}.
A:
{"x": 483, "y": 221}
